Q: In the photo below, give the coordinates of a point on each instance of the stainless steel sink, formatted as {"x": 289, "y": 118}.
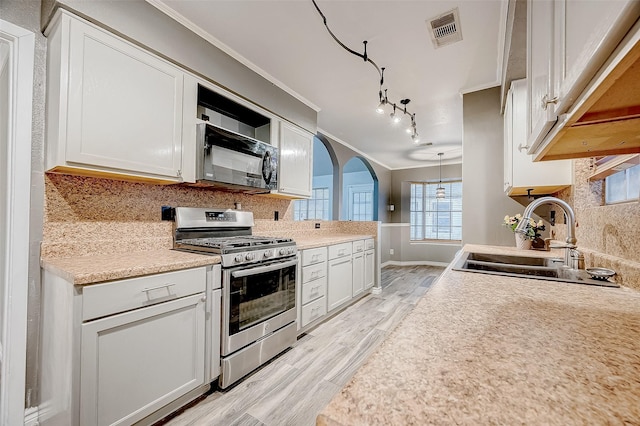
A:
{"x": 551, "y": 269}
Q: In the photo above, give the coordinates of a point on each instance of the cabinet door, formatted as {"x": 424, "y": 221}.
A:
{"x": 124, "y": 106}
{"x": 136, "y": 362}
{"x": 296, "y": 161}
{"x": 369, "y": 268}
{"x": 539, "y": 70}
{"x": 339, "y": 282}
{"x": 545, "y": 177}
{"x": 508, "y": 142}
{"x": 586, "y": 32}
{"x": 358, "y": 274}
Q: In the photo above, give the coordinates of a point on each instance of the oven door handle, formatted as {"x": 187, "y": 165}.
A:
{"x": 262, "y": 269}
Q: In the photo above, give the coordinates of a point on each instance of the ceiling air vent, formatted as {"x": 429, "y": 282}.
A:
{"x": 445, "y": 29}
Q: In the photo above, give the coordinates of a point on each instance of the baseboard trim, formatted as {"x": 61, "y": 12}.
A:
{"x": 31, "y": 416}
{"x": 413, "y": 263}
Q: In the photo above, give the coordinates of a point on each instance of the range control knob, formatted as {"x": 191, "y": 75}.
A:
{"x": 283, "y": 251}
{"x": 291, "y": 250}
{"x": 250, "y": 256}
{"x": 238, "y": 258}
{"x": 268, "y": 253}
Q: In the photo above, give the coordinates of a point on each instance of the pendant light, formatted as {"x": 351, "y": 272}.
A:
{"x": 440, "y": 188}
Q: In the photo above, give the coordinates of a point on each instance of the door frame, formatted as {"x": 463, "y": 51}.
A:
{"x": 14, "y": 282}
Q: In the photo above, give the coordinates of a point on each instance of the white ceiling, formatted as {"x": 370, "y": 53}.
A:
{"x": 287, "y": 42}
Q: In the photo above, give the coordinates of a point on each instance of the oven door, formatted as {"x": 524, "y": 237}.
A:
{"x": 256, "y": 302}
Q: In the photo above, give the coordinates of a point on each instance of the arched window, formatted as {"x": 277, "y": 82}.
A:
{"x": 320, "y": 205}
{"x": 359, "y": 191}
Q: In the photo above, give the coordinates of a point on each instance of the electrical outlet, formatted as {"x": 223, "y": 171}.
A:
{"x": 391, "y": 251}
{"x": 317, "y": 226}
{"x": 167, "y": 213}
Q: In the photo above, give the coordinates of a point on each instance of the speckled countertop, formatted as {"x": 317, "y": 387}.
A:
{"x": 82, "y": 270}
{"x": 307, "y": 242}
{"x": 485, "y": 349}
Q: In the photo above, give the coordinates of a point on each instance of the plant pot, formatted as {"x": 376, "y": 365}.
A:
{"x": 522, "y": 243}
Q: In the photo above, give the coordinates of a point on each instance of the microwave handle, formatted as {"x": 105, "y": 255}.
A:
{"x": 263, "y": 269}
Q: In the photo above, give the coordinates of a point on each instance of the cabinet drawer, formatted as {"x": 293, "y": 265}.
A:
{"x": 313, "y": 311}
{"x": 118, "y": 296}
{"x": 339, "y": 250}
{"x": 358, "y": 246}
{"x": 369, "y": 244}
{"x": 314, "y": 289}
{"x": 316, "y": 255}
{"x": 313, "y": 272}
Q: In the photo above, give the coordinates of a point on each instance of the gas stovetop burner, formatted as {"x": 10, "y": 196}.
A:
{"x": 227, "y": 233}
{"x": 235, "y": 244}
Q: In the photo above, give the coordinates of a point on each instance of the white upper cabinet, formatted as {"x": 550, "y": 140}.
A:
{"x": 521, "y": 173}
{"x": 296, "y": 161}
{"x": 113, "y": 108}
{"x": 539, "y": 69}
{"x": 567, "y": 43}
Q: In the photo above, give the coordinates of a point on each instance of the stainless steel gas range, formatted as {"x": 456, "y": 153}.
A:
{"x": 258, "y": 285}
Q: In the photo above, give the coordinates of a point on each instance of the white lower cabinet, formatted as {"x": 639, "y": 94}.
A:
{"x": 357, "y": 285}
{"x": 134, "y": 363}
{"x": 332, "y": 277}
{"x": 313, "y": 292}
{"x": 339, "y": 276}
{"x": 369, "y": 268}
{"x": 116, "y": 352}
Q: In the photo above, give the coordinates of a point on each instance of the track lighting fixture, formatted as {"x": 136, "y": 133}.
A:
{"x": 398, "y": 112}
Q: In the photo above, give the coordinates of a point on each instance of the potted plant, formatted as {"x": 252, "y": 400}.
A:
{"x": 523, "y": 241}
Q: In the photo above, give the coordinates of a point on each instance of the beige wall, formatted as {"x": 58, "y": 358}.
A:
{"x": 609, "y": 235}
{"x": 484, "y": 203}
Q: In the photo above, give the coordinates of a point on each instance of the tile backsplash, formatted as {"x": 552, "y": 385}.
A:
{"x": 84, "y": 215}
{"x": 609, "y": 235}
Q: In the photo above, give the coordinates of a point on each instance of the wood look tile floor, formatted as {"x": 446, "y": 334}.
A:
{"x": 298, "y": 384}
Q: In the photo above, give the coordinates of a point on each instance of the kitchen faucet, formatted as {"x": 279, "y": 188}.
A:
{"x": 572, "y": 257}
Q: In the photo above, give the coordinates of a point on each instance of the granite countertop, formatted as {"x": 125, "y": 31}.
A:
{"x": 81, "y": 270}
{"x": 486, "y": 349}
{"x": 307, "y": 242}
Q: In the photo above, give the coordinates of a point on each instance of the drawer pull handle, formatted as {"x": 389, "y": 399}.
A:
{"x": 146, "y": 290}
{"x": 340, "y": 252}
{"x": 314, "y": 274}
{"x": 314, "y": 257}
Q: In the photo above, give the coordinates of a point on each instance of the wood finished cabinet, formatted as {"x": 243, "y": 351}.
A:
{"x": 113, "y": 109}
{"x": 116, "y": 352}
{"x": 568, "y": 41}
{"x": 520, "y": 172}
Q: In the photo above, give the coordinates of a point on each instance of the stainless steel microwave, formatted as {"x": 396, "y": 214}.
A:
{"x": 233, "y": 161}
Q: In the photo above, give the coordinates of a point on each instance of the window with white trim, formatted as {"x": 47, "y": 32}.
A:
{"x": 317, "y": 207}
{"x": 361, "y": 202}
{"x": 623, "y": 186}
{"x": 434, "y": 218}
